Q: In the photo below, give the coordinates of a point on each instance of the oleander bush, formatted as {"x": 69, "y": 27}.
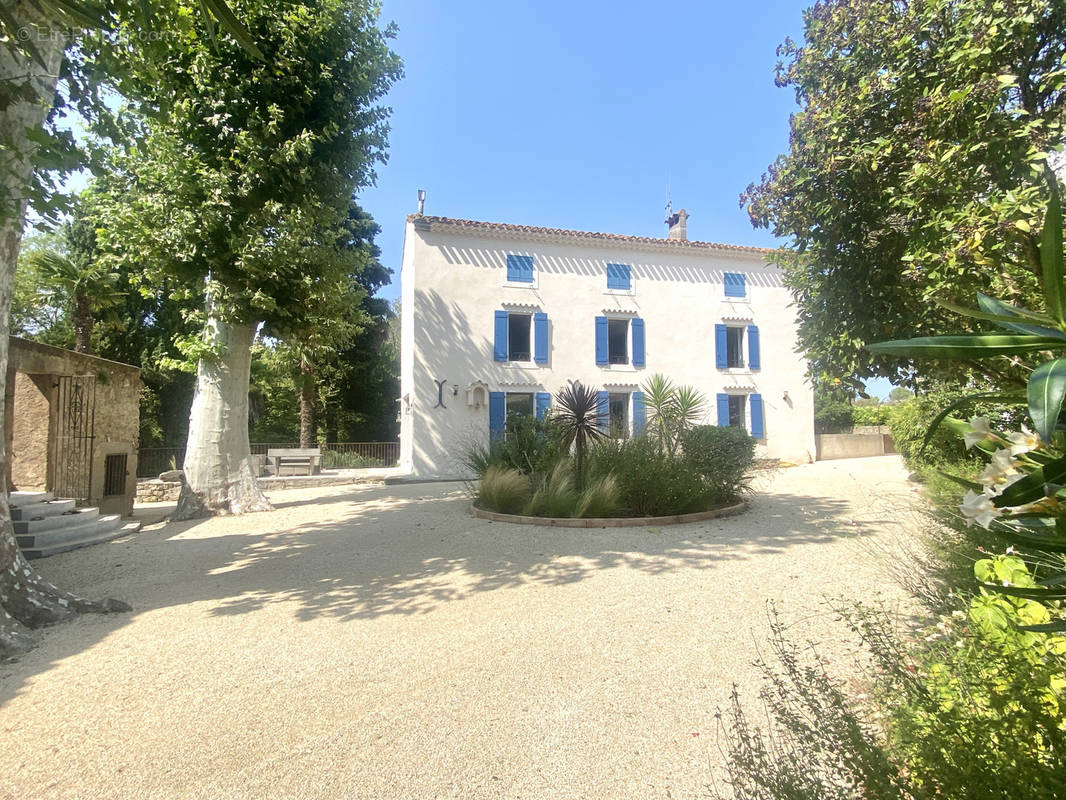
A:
{"x": 724, "y": 456}
{"x": 651, "y": 482}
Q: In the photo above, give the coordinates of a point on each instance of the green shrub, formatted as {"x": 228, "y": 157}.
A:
{"x": 555, "y": 495}
{"x": 651, "y": 482}
{"x": 530, "y": 446}
{"x": 337, "y": 459}
{"x": 909, "y": 425}
{"x": 873, "y": 415}
{"x": 722, "y": 455}
{"x": 601, "y": 498}
{"x": 504, "y": 490}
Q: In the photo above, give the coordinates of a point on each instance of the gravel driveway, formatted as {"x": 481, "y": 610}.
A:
{"x": 380, "y": 643}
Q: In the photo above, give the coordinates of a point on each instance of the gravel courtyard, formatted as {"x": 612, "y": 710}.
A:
{"x": 379, "y": 642}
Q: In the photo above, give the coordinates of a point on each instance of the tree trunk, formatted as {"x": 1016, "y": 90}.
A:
{"x": 83, "y": 324}
{"x": 28, "y": 601}
{"x": 220, "y": 476}
{"x": 308, "y": 434}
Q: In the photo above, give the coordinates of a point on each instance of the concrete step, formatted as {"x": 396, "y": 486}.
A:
{"x": 49, "y": 508}
{"x": 17, "y": 499}
{"x": 104, "y": 529}
{"x": 75, "y": 518}
{"x": 74, "y": 526}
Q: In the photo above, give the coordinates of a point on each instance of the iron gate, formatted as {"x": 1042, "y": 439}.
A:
{"x": 75, "y": 417}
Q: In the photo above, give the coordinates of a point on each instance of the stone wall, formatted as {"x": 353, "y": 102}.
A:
{"x": 31, "y": 454}
{"x": 153, "y": 490}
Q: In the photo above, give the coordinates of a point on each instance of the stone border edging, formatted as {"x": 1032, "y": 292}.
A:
{"x": 610, "y": 522}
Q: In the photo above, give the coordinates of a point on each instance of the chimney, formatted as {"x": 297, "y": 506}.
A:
{"x": 676, "y": 221}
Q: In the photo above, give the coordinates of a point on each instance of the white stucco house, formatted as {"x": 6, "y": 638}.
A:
{"x": 496, "y": 318}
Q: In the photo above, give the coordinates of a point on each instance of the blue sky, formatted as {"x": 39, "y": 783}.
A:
{"x": 582, "y": 114}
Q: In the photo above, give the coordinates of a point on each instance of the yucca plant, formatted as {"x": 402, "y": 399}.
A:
{"x": 577, "y": 414}
{"x": 672, "y": 410}
{"x": 1021, "y": 493}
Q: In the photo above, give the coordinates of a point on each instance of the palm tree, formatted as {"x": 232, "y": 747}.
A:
{"x": 578, "y": 417}
{"x": 88, "y": 288}
{"x": 672, "y": 410}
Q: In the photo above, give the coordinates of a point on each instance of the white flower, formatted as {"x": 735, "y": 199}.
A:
{"x": 1023, "y": 442}
{"x": 1000, "y": 473}
{"x": 978, "y": 508}
{"x": 980, "y": 431}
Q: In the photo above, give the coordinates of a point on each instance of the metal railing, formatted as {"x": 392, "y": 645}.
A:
{"x": 335, "y": 455}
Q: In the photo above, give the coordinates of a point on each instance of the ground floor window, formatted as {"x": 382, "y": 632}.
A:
{"x": 520, "y": 403}
{"x": 619, "y": 415}
{"x": 737, "y": 402}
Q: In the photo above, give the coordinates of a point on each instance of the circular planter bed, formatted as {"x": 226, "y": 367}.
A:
{"x": 610, "y": 522}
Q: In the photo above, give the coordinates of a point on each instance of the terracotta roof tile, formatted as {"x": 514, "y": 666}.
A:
{"x": 505, "y": 227}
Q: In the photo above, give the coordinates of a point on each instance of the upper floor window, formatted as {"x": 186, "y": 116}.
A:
{"x": 732, "y": 343}
{"x": 619, "y": 277}
{"x": 519, "y": 269}
{"x": 736, "y": 284}
{"x": 617, "y": 341}
{"x": 734, "y": 348}
{"x": 518, "y": 338}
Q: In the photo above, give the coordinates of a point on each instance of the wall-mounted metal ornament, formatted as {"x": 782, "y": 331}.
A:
{"x": 440, "y": 393}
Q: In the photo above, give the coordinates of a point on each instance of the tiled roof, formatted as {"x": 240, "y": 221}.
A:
{"x": 504, "y": 227}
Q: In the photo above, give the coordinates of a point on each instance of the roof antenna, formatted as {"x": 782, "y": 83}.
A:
{"x": 669, "y": 202}
{"x": 421, "y": 202}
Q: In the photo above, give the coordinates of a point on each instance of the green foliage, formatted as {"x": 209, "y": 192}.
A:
{"x": 970, "y": 713}
{"x": 555, "y": 495}
{"x": 577, "y": 414}
{"x": 504, "y": 490}
{"x": 914, "y": 170}
{"x": 601, "y": 498}
{"x": 724, "y": 456}
{"x": 651, "y": 482}
{"x": 832, "y": 409}
{"x": 873, "y": 415}
{"x": 910, "y": 424}
{"x": 671, "y": 410}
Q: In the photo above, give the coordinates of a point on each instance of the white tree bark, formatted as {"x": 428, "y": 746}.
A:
{"x": 27, "y": 600}
{"x": 220, "y": 475}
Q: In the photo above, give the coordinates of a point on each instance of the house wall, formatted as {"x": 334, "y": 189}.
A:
{"x": 453, "y": 281}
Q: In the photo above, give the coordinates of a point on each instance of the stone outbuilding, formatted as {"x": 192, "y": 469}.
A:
{"x": 72, "y": 425}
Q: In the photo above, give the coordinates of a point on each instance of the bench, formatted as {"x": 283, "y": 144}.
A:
{"x": 294, "y": 460}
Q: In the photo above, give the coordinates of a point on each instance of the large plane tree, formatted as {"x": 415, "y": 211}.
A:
{"x": 241, "y": 184}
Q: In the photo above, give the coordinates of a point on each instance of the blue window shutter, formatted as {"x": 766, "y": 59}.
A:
{"x": 721, "y": 357}
{"x": 540, "y": 337}
{"x": 499, "y": 343}
{"x": 520, "y": 269}
{"x": 619, "y": 276}
{"x": 603, "y": 410}
{"x": 756, "y": 416}
{"x": 753, "y": 347}
{"x": 638, "y": 341}
{"x": 723, "y": 410}
{"x": 544, "y": 402}
{"x": 735, "y": 284}
{"x": 497, "y": 415}
{"x": 601, "y": 341}
{"x": 640, "y": 413}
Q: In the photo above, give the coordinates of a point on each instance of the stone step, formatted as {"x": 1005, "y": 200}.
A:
{"x": 106, "y": 528}
{"x": 76, "y": 526}
{"x": 17, "y": 499}
{"x": 76, "y": 518}
{"x": 49, "y": 508}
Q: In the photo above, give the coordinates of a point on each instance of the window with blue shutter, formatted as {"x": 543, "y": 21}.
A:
{"x": 735, "y": 284}
{"x": 723, "y": 410}
{"x": 640, "y": 413}
{"x": 753, "y": 347}
{"x": 519, "y": 269}
{"x": 638, "y": 341}
{"x": 540, "y": 337}
{"x": 757, "y": 425}
{"x": 619, "y": 277}
{"x": 603, "y": 411}
{"x": 544, "y": 402}
{"x": 497, "y": 415}
{"x": 601, "y": 341}
{"x": 499, "y": 343}
{"x": 721, "y": 351}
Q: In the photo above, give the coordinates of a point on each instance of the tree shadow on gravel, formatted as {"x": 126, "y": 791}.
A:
{"x": 365, "y": 552}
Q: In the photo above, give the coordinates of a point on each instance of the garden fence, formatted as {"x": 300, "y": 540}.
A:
{"x": 151, "y": 461}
